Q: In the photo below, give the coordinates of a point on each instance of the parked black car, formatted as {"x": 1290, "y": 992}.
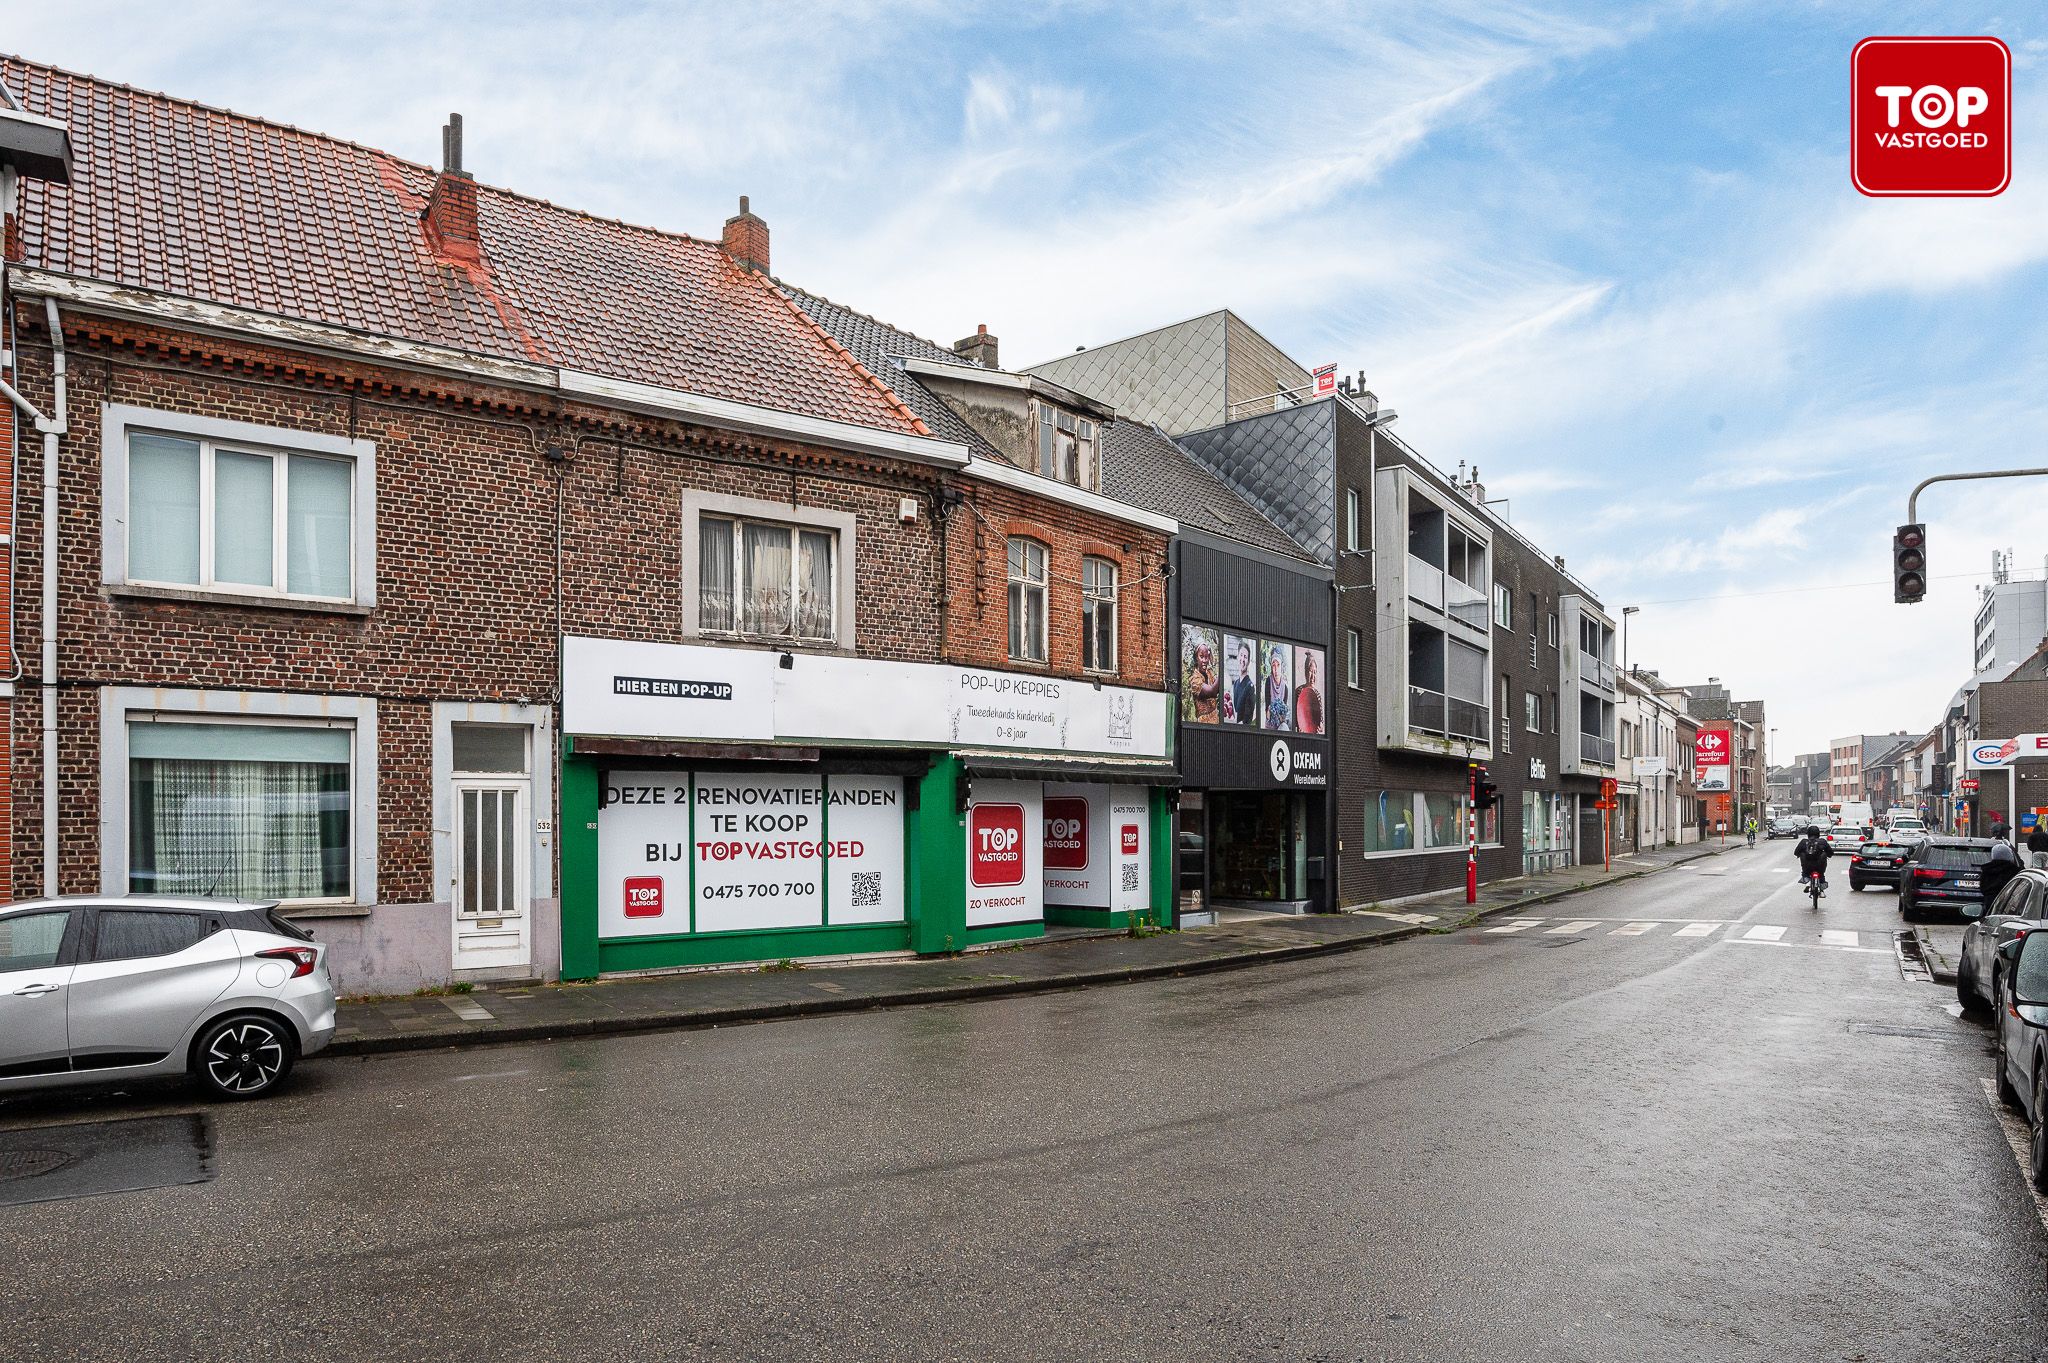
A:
{"x": 1940, "y": 875}
{"x": 2019, "y": 909}
{"x": 1877, "y": 863}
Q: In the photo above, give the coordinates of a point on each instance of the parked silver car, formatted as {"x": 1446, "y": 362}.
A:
{"x": 2023, "y": 1044}
{"x": 111, "y": 990}
{"x": 2018, "y": 910}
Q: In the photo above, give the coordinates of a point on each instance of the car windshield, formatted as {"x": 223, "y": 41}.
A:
{"x": 1955, "y": 858}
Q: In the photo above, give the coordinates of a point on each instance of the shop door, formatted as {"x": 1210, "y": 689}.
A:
{"x": 493, "y": 907}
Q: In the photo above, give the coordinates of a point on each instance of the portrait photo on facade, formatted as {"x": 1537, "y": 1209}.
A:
{"x": 1241, "y": 680}
{"x": 1276, "y": 685}
{"x": 1308, "y": 690}
{"x": 1201, "y": 674}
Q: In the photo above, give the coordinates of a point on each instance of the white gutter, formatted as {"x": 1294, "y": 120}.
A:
{"x": 150, "y": 305}
{"x": 1009, "y": 475}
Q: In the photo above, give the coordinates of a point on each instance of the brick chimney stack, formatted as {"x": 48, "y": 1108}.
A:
{"x": 746, "y": 238}
{"x": 450, "y": 216}
{"x": 980, "y": 347}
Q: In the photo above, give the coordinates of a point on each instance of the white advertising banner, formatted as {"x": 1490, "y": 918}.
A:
{"x": 1005, "y": 854}
{"x": 684, "y": 691}
{"x": 770, "y": 850}
{"x": 757, "y": 851}
{"x": 1131, "y": 844}
{"x": 616, "y": 686}
{"x": 1076, "y": 852}
{"x": 864, "y": 829}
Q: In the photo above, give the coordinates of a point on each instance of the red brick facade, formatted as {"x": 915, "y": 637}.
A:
{"x": 467, "y": 485}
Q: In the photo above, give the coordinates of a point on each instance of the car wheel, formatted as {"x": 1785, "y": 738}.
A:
{"x": 243, "y": 1057}
{"x": 1966, "y": 989}
{"x": 1855, "y": 885}
{"x": 2037, "y": 1162}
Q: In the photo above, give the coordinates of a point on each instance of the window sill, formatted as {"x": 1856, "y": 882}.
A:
{"x": 780, "y": 642}
{"x": 200, "y": 597}
{"x": 316, "y": 911}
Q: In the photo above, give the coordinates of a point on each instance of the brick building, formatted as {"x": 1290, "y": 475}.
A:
{"x": 513, "y": 591}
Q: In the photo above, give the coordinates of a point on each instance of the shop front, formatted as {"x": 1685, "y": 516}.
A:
{"x": 1253, "y": 822}
{"x": 733, "y": 804}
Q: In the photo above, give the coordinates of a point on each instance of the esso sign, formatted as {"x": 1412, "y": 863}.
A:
{"x": 995, "y": 844}
{"x": 1930, "y": 116}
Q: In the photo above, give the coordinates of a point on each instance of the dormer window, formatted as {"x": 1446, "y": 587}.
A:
{"x": 1066, "y": 446}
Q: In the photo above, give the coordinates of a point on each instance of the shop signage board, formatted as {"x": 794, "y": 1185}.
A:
{"x": 1713, "y": 759}
{"x": 1653, "y": 766}
{"x": 648, "y": 690}
{"x": 1005, "y": 854}
{"x": 1133, "y": 888}
{"x": 681, "y": 851}
{"x": 1996, "y": 754}
{"x": 1095, "y": 846}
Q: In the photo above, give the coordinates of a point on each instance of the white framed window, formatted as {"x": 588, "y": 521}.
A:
{"x": 1503, "y": 606}
{"x": 243, "y": 794}
{"x": 1098, "y": 614}
{"x": 1553, "y": 629}
{"x": 1532, "y": 712}
{"x": 1351, "y": 519}
{"x": 1027, "y": 600}
{"x": 195, "y": 505}
{"x": 1066, "y": 446}
{"x": 765, "y": 579}
{"x": 1354, "y": 648}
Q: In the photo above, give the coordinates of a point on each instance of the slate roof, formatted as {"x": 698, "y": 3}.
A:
{"x": 1140, "y": 466}
{"x": 207, "y": 204}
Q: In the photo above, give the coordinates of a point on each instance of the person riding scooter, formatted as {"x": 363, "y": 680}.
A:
{"x": 1813, "y": 852}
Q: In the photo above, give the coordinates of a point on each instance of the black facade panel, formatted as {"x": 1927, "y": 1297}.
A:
{"x": 1250, "y": 595}
{"x": 1225, "y": 757}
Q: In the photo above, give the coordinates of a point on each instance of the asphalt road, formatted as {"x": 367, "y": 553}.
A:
{"x": 1521, "y": 1145}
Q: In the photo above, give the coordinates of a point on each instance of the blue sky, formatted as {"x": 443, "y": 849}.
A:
{"x": 1609, "y": 253}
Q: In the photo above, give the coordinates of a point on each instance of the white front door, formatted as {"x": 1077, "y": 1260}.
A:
{"x": 493, "y": 860}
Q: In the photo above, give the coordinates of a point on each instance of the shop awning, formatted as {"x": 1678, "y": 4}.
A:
{"x": 1130, "y": 771}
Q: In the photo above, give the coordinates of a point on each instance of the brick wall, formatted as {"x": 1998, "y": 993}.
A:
{"x": 466, "y": 562}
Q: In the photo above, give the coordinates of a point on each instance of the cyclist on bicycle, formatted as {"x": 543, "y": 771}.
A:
{"x": 1813, "y": 852}
{"x": 1750, "y": 828}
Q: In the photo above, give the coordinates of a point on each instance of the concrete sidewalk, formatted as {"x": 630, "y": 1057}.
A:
{"x": 1941, "y": 947}
{"x": 724, "y": 997}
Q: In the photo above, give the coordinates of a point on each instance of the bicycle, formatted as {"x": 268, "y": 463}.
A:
{"x": 1813, "y": 890}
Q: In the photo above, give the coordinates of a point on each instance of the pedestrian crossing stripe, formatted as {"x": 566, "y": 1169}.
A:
{"x": 1765, "y": 934}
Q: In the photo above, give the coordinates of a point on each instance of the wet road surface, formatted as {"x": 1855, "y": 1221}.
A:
{"x": 1649, "y": 1129}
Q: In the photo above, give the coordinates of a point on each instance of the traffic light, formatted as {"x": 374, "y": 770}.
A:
{"x": 1485, "y": 794}
{"x": 1909, "y": 563}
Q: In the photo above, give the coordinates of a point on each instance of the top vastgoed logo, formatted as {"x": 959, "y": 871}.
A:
{"x": 1930, "y": 117}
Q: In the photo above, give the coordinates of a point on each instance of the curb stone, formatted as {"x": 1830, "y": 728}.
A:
{"x": 699, "y": 1019}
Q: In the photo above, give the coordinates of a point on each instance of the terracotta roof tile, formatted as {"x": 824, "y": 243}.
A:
{"x": 203, "y": 203}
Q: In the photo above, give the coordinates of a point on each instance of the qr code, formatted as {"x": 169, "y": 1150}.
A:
{"x": 867, "y": 889}
{"x": 1130, "y": 882}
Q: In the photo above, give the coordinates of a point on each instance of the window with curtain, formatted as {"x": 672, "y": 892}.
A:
{"x": 1066, "y": 446}
{"x": 1027, "y": 600}
{"x": 241, "y": 811}
{"x": 760, "y": 578}
{"x": 223, "y": 518}
{"x": 1098, "y": 615}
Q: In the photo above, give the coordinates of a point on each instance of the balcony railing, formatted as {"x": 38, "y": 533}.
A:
{"x": 1596, "y": 670}
{"x": 1433, "y": 712}
{"x": 1465, "y": 604}
{"x": 1425, "y": 582}
{"x": 1597, "y": 750}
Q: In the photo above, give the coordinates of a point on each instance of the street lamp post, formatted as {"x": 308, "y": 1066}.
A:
{"x": 1626, "y": 612}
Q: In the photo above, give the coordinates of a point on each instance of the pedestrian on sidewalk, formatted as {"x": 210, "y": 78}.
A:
{"x": 2003, "y": 866}
{"x": 2037, "y": 845}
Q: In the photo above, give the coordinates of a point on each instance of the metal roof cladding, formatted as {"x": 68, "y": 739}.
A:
{"x": 203, "y": 203}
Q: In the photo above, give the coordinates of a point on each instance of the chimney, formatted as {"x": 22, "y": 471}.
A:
{"x": 980, "y": 347}
{"x": 746, "y": 238}
{"x": 450, "y": 216}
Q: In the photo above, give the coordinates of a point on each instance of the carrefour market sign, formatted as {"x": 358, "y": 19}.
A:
{"x": 633, "y": 689}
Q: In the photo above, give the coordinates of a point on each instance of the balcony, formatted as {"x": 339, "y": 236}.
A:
{"x": 1433, "y": 712}
{"x": 1465, "y": 604}
{"x": 1596, "y": 750}
{"x": 1425, "y": 582}
{"x": 1597, "y": 671}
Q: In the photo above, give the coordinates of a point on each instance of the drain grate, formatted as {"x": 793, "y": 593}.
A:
{"x": 16, "y": 1164}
